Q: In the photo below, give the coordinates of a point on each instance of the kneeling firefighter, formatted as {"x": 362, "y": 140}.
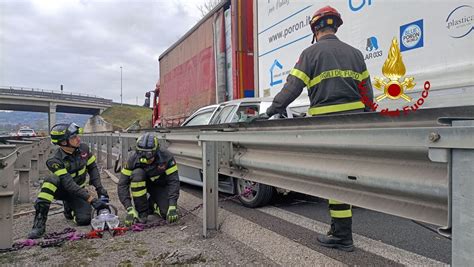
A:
{"x": 149, "y": 170}
{"x": 70, "y": 164}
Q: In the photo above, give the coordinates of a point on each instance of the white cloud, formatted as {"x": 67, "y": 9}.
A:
{"x": 83, "y": 43}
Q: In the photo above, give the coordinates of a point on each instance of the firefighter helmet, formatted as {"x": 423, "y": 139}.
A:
{"x": 63, "y": 132}
{"x": 325, "y": 17}
{"x": 147, "y": 146}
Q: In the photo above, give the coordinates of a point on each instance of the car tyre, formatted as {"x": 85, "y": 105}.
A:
{"x": 260, "y": 195}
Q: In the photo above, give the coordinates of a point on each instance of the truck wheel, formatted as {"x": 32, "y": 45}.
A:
{"x": 259, "y": 195}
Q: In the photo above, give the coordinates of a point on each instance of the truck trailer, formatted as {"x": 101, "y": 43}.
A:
{"x": 247, "y": 48}
{"x": 212, "y": 63}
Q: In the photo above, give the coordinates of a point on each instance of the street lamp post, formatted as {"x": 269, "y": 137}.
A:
{"x": 121, "y": 98}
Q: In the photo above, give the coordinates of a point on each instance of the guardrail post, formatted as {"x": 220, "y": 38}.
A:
{"x": 41, "y": 157}
{"x": 210, "y": 189}
{"x": 100, "y": 141}
{"x": 23, "y": 166}
{"x": 125, "y": 145}
{"x": 462, "y": 203}
{"x": 7, "y": 173}
{"x": 34, "y": 170}
{"x": 108, "y": 141}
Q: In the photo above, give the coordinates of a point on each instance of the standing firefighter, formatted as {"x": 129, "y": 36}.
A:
{"x": 153, "y": 170}
{"x": 69, "y": 164}
{"x": 331, "y": 71}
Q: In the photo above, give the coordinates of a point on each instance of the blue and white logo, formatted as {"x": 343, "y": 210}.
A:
{"x": 411, "y": 35}
{"x": 358, "y": 5}
{"x": 372, "y": 48}
{"x": 372, "y": 44}
{"x": 273, "y": 74}
{"x": 460, "y": 21}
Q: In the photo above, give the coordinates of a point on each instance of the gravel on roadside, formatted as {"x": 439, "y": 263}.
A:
{"x": 180, "y": 243}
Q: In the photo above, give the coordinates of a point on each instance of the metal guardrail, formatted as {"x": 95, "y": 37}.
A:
{"x": 422, "y": 173}
{"x": 17, "y": 160}
{"x": 42, "y": 93}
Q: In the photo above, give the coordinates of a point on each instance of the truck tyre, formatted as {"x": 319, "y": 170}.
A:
{"x": 260, "y": 195}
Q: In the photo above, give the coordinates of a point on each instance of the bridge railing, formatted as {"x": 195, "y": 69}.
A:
{"x": 17, "y": 160}
{"x": 421, "y": 172}
{"x": 43, "y": 93}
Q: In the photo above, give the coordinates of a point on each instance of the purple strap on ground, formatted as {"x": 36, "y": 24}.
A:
{"x": 138, "y": 227}
{"x": 75, "y": 236}
{"x": 29, "y": 242}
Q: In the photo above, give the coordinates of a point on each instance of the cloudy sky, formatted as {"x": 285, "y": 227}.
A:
{"x": 82, "y": 43}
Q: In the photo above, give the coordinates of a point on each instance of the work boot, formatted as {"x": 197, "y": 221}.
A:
{"x": 39, "y": 223}
{"x": 67, "y": 211}
{"x": 331, "y": 241}
{"x": 339, "y": 236}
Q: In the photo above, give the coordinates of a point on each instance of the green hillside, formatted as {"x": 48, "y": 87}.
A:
{"x": 123, "y": 116}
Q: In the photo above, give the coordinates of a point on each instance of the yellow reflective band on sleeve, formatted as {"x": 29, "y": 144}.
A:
{"x": 332, "y": 201}
{"x": 139, "y": 193}
{"x": 126, "y": 172}
{"x": 83, "y": 184}
{"x": 336, "y": 108}
{"x": 81, "y": 172}
{"x": 60, "y": 172}
{"x": 341, "y": 213}
{"x": 337, "y": 73}
{"x": 54, "y": 140}
{"x": 137, "y": 184}
{"x": 91, "y": 160}
{"x": 50, "y": 186}
{"x": 301, "y": 75}
{"x": 154, "y": 178}
{"x": 46, "y": 196}
{"x": 171, "y": 170}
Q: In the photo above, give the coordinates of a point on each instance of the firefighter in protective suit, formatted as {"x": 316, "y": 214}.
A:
{"x": 70, "y": 164}
{"x": 331, "y": 71}
{"x": 149, "y": 170}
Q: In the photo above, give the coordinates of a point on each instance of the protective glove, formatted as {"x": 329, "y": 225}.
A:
{"x": 102, "y": 192}
{"x": 172, "y": 215}
{"x": 98, "y": 204}
{"x": 132, "y": 215}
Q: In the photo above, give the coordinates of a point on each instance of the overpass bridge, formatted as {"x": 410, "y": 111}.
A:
{"x": 49, "y": 101}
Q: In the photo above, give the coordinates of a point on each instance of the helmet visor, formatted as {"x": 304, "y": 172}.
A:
{"x": 74, "y": 130}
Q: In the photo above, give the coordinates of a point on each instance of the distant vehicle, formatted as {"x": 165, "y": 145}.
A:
{"x": 239, "y": 110}
{"x": 26, "y": 132}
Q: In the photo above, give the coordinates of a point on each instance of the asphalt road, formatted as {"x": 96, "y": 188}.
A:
{"x": 385, "y": 238}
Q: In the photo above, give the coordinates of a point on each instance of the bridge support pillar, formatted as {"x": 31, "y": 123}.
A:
{"x": 52, "y": 115}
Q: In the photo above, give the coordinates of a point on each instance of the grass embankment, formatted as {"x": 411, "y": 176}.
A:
{"x": 122, "y": 117}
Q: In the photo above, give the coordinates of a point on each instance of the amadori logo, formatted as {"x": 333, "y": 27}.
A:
{"x": 394, "y": 85}
{"x": 460, "y": 21}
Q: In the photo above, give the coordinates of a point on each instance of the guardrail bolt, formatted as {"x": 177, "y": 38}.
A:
{"x": 434, "y": 137}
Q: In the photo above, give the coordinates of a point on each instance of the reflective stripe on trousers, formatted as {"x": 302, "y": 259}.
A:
{"x": 339, "y": 210}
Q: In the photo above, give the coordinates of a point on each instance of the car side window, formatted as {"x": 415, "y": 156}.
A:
{"x": 200, "y": 119}
{"x": 222, "y": 116}
{"x": 245, "y": 113}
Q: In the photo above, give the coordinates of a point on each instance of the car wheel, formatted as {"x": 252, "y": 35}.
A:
{"x": 259, "y": 195}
